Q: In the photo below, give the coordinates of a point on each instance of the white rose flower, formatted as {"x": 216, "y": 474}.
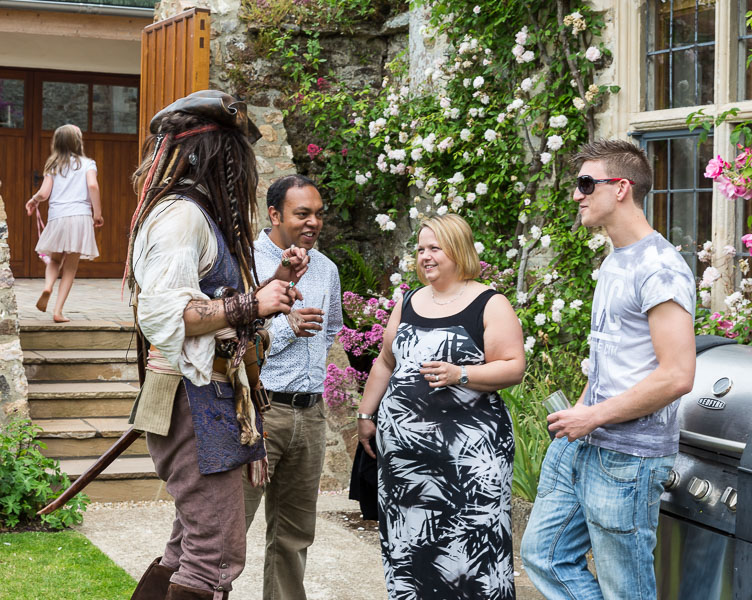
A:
{"x": 729, "y": 251}
{"x": 523, "y": 218}
{"x": 556, "y": 316}
{"x": 445, "y": 144}
{"x": 596, "y": 241}
{"x": 402, "y": 137}
{"x": 519, "y": 187}
{"x": 456, "y": 178}
{"x": 397, "y": 155}
{"x": 540, "y": 298}
{"x": 579, "y": 103}
{"x": 705, "y": 296}
{"x": 476, "y": 9}
{"x": 512, "y": 252}
{"x": 709, "y": 277}
{"x": 540, "y": 319}
{"x": 708, "y": 246}
{"x": 545, "y": 241}
{"x": 516, "y": 103}
{"x": 592, "y": 54}
{"x": 484, "y": 99}
{"x": 466, "y": 82}
{"x": 445, "y": 102}
{"x": 429, "y": 143}
{"x": 395, "y": 279}
{"x": 529, "y": 343}
{"x": 442, "y": 210}
{"x": 575, "y": 304}
{"x": 545, "y": 157}
{"x": 547, "y": 278}
{"x": 594, "y": 274}
{"x": 413, "y": 212}
{"x": 585, "y": 366}
{"x": 704, "y": 256}
{"x": 470, "y": 198}
{"x": 391, "y": 225}
{"x": 481, "y": 189}
{"x": 478, "y": 82}
{"x": 527, "y": 57}
{"x": 518, "y": 51}
{"x": 437, "y": 199}
{"x": 535, "y": 232}
{"x": 558, "y": 121}
{"x": 521, "y": 297}
{"x": 521, "y": 36}
{"x": 479, "y": 248}
{"x": 527, "y": 84}
{"x": 522, "y": 240}
{"x": 490, "y": 135}
{"x": 554, "y": 142}
{"x": 558, "y": 304}
{"x": 360, "y": 179}
{"x": 465, "y": 134}
{"x": 454, "y": 113}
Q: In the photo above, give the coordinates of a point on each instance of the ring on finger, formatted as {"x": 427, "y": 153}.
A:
{"x": 436, "y": 377}
{"x": 286, "y": 263}
{"x": 291, "y": 285}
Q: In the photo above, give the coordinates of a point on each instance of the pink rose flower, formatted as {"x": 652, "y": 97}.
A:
{"x": 715, "y": 167}
{"x": 747, "y": 241}
{"x": 314, "y": 150}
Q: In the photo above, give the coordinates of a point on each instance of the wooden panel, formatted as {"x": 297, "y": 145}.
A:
{"x": 15, "y": 176}
{"x": 174, "y": 62}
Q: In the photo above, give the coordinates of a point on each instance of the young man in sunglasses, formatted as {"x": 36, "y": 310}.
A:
{"x": 601, "y": 480}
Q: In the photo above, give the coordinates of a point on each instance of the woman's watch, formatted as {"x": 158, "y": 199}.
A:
{"x": 367, "y": 417}
{"x": 463, "y": 376}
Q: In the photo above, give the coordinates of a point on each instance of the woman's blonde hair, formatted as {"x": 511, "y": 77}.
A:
{"x": 456, "y": 240}
{"x": 67, "y": 143}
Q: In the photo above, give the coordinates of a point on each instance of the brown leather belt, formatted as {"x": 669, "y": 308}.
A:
{"x": 296, "y": 400}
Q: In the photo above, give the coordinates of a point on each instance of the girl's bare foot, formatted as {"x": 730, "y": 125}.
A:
{"x": 43, "y": 300}
{"x": 60, "y": 319}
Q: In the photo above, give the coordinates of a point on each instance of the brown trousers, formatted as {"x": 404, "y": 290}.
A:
{"x": 207, "y": 546}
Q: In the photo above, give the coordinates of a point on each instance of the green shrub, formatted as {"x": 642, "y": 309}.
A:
{"x": 29, "y": 480}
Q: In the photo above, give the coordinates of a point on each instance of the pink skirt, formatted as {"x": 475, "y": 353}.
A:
{"x": 69, "y": 234}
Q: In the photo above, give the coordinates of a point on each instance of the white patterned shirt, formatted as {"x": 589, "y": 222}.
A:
{"x": 296, "y": 364}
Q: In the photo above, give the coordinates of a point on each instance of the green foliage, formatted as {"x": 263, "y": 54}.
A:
{"x": 525, "y": 403}
{"x": 356, "y": 275}
{"x": 59, "y": 566}
{"x": 486, "y": 116}
{"x": 29, "y": 480}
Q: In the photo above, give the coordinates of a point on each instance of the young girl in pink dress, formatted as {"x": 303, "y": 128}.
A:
{"x": 70, "y": 184}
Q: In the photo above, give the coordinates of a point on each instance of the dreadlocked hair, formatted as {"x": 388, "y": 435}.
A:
{"x": 225, "y": 167}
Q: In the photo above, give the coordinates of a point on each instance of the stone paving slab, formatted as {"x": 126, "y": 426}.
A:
{"x": 89, "y": 300}
{"x": 78, "y": 356}
{"x": 85, "y": 389}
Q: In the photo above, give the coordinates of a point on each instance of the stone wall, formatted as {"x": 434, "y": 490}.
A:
{"x": 13, "y": 385}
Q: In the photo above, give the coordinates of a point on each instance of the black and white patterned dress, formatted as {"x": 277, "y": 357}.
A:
{"x": 445, "y": 469}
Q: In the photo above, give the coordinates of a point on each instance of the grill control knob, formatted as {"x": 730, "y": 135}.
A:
{"x": 673, "y": 480}
{"x": 729, "y": 498}
{"x": 700, "y": 488}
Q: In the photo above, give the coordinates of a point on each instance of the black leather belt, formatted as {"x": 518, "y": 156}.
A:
{"x": 296, "y": 400}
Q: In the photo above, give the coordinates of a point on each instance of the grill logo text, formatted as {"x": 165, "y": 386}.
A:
{"x": 712, "y": 403}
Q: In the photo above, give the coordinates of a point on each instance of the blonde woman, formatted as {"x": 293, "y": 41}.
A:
{"x": 70, "y": 185}
{"x": 445, "y": 440}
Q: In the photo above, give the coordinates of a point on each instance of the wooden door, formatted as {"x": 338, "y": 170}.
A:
{"x": 15, "y": 161}
{"x": 174, "y": 61}
{"x": 105, "y": 107}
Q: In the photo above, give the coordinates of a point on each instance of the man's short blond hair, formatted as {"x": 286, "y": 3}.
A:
{"x": 456, "y": 240}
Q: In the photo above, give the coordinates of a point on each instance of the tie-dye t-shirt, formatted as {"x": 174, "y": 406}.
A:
{"x": 631, "y": 281}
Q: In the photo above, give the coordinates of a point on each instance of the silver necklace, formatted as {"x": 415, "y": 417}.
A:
{"x": 452, "y": 299}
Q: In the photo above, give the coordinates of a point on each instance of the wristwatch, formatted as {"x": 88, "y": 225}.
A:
{"x": 463, "y": 376}
{"x": 367, "y": 417}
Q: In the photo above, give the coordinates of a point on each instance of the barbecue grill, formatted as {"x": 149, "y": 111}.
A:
{"x": 704, "y": 549}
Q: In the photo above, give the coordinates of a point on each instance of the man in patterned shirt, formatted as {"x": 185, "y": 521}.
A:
{"x": 294, "y": 376}
{"x": 601, "y": 480}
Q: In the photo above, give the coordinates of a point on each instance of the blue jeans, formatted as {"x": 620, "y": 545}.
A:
{"x": 593, "y": 497}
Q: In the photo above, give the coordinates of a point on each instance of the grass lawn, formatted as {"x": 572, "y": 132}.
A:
{"x": 58, "y": 566}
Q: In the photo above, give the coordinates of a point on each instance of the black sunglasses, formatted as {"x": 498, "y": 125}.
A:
{"x": 586, "y": 184}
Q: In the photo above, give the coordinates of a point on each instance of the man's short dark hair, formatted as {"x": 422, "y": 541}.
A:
{"x": 621, "y": 159}
{"x": 278, "y": 190}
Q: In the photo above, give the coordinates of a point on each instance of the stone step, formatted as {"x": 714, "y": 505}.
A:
{"x": 127, "y": 478}
{"x": 66, "y": 399}
{"x": 80, "y": 365}
{"x": 86, "y": 438}
{"x": 90, "y": 335}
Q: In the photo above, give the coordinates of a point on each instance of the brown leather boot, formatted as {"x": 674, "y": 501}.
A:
{"x": 154, "y": 582}
{"x": 183, "y": 592}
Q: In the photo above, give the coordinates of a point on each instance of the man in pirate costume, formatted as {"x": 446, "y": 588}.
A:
{"x": 199, "y": 305}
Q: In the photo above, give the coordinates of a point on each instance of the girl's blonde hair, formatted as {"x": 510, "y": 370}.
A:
{"x": 67, "y": 143}
{"x": 456, "y": 240}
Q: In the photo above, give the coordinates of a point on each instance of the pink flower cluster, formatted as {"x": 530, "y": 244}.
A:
{"x": 747, "y": 241}
{"x": 734, "y": 181}
{"x": 725, "y": 325}
{"x": 313, "y": 150}
{"x": 366, "y": 312}
{"x": 343, "y": 387}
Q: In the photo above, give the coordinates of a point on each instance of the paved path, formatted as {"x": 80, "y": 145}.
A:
{"x": 89, "y": 300}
